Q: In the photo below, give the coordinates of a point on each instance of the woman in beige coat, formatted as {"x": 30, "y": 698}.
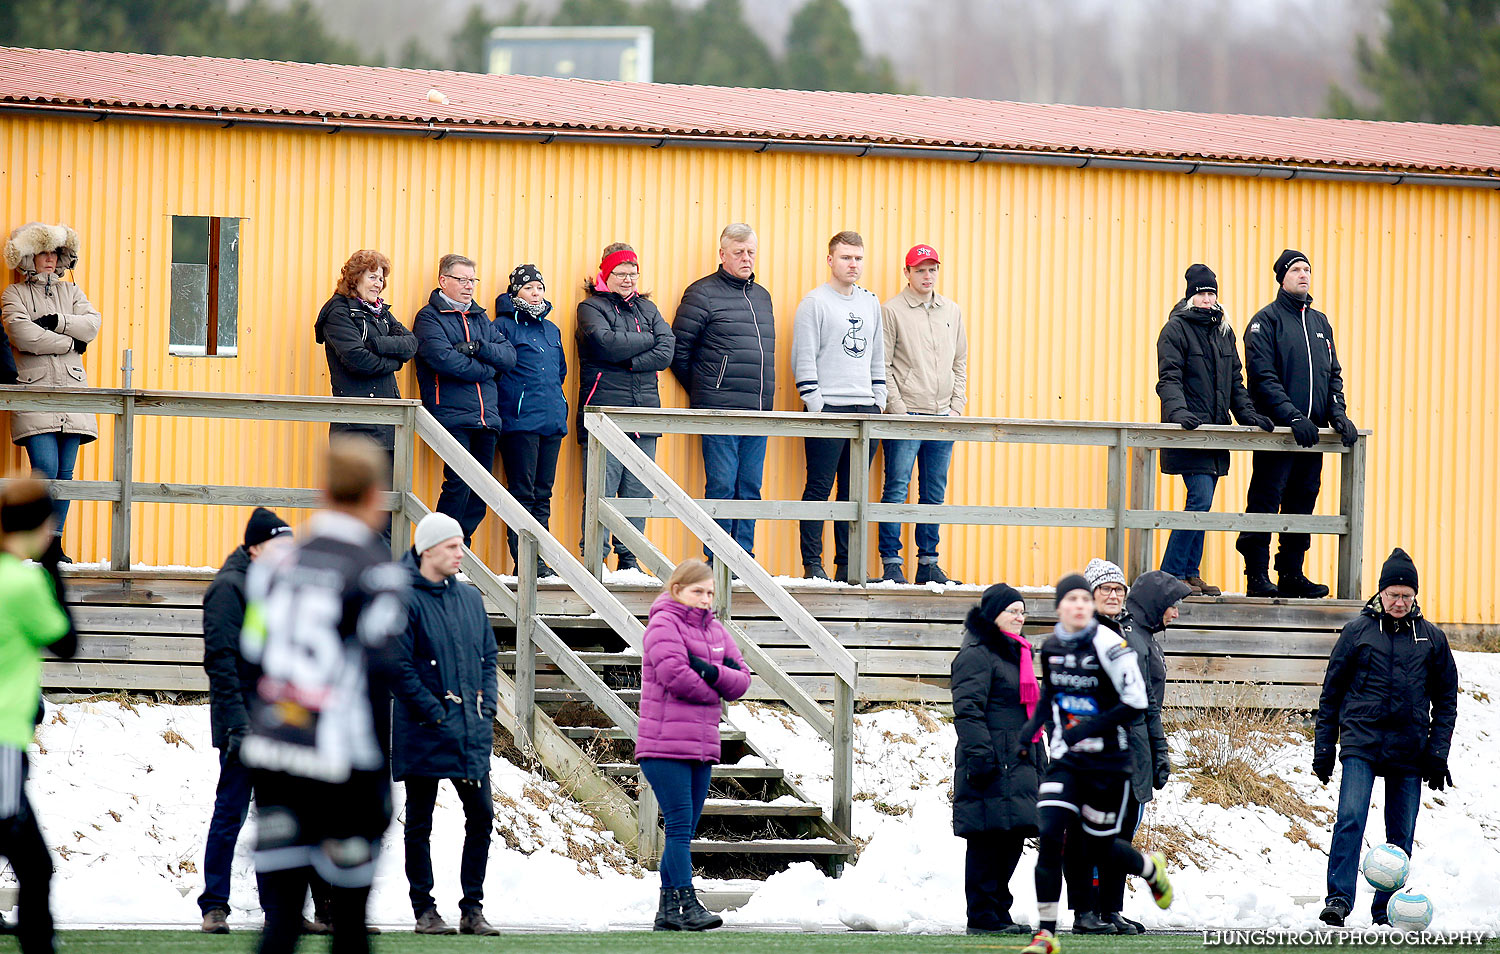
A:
{"x": 50, "y": 324}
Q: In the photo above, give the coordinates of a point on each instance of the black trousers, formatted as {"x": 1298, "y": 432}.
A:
{"x": 827, "y": 461}
{"x": 1111, "y": 874}
{"x": 479, "y": 815}
{"x": 1280, "y": 482}
{"x": 530, "y": 462}
{"x": 1078, "y": 871}
{"x": 286, "y": 892}
{"x": 1057, "y": 840}
{"x": 456, "y": 499}
{"x": 988, "y": 864}
{"x": 21, "y": 843}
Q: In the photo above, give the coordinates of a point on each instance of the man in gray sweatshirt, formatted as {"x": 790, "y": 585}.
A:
{"x": 838, "y": 362}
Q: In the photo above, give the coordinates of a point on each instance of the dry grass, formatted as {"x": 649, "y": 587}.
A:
{"x": 1177, "y": 842}
{"x": 175, "y": 738}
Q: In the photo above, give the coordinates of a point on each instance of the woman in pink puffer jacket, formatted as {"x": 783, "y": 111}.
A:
{"x": 689, "y": 664}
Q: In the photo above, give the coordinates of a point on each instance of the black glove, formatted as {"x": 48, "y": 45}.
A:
{"x": 1323, "y": 767}
{"x": 48, "y": 322}
{"x": 707, "y": 670}
{"x": 470, "y": 348}
{"x": 1305, "y": 431}
{"x": 1160, "y": 773}
{"x": 732, "y": 664}
{"x": 1187, "y": 419}
{"x": 1076, "y": 733}
{"x": 232, "y": 742}
{"x": 1435, "y": 773}
{"x": 80, "y": 346}
{"x": 981, "y": 776}
{"x": 1348, "y": 433}
{"x": 1262, "y": 422}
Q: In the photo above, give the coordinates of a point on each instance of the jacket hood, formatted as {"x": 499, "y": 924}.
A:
{"x": 691, "y": 615}
{"x": 1184, "y": 310}
{"x": 349, "y": 305}
{"x": 991, "y": 635}
{"x": 35, "y": 237}
{"x": 1149, "y": 598}
{"x": 413, "y": 565}
{"x": 238, "y": 562}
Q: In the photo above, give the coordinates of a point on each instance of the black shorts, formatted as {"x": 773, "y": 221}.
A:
{"x": 1097, "y": 798}
{"x": 335, "y": 829}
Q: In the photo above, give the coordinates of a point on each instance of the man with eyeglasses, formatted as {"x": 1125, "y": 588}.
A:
{"x": 459, "y": 354}
{"x": 1389, "y": 703}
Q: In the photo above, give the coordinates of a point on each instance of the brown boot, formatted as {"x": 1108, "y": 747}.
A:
{"x": 1201, "y": 588}
{"x": 473, "y": 922}
{"x": 430, "y": 922}
{"x": 216, "y": 921}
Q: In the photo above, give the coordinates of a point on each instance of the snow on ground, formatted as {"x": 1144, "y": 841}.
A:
{"x": 125, "y": 795}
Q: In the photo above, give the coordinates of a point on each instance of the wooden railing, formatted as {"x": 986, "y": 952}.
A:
{"x": 1128, "y": 517}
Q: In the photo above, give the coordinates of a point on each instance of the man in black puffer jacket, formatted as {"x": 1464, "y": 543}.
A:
{"x": 1389, "y": 704}
{"x": 726, "y": 359}
{"x": 1295, "y": 379}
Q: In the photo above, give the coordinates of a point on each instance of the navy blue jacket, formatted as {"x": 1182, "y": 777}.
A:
{"x": 458, "y": 389}
{"x": 531, "y": 393}
{"x": 447, "y": 653}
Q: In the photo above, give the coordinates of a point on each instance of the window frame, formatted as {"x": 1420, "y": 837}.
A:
{"x": 210, "y": 348}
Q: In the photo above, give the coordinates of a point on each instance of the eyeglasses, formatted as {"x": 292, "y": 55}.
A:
{"x": 462, "y": 281}
{"x": 624, "y": 276}
{"x": 1399, "y": 598}
{"x": 1014, "y": 612}
{"x": 1111, "y": 590}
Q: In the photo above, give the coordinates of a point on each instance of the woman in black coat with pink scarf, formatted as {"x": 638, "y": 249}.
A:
{"x": 995, "y": 691}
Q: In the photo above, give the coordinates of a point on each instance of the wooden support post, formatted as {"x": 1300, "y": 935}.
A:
{"x": 859, "y": 495}
{"x": 1352, "y": 506}
{"x": 593, "y": 489}
{"x": 843, "y": 757}
{"x": 1114, "y": 536}
{"x": 124, "y": 473}
{"x": 722, "y": 595}
{"x": 1142, "y": 497}
{"x": 401, "y": 481}
{"x": 649, "y": 836}
{"x": 526, "y": 555}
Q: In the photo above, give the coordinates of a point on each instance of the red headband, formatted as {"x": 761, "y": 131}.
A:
{"x": 615, "y": 259}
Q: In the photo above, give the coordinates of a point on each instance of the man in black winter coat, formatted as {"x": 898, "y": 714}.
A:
{"x": 1295, "y": 379}
{"x": 229, "y": 690}
{"x": 1200, "y": 381}
{"x": 725, "y": 358}
{"x": 1389, "y": 704}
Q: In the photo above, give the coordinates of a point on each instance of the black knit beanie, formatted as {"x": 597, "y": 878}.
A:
{"x": 1200, "y": 278}
{"x": 1398, "y": 570}
{"x": 1286, "y": 260}
{"x": 1069, "y": 583}
{"x": 523, "y": 275}
{"x": 997, "y": 598}
{"x": 23, "y": 515}
{"x": 263, "y": 525}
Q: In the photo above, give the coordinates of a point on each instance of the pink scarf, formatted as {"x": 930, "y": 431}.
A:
{"x": 1031, "y": 691}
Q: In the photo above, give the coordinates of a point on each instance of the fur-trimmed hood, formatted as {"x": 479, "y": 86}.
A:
{"x": 35, "y": 237}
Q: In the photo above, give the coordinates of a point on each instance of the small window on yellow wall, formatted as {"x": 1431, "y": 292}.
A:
{"x": 205, "y": 286}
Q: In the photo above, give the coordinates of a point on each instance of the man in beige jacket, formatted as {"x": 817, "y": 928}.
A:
{"x": 927, "y": 357}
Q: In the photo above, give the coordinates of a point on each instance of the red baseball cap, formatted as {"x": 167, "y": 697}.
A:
{"x": 920, "y": 254}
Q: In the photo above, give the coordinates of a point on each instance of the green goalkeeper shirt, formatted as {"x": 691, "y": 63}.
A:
{"x": 29, "y": 619}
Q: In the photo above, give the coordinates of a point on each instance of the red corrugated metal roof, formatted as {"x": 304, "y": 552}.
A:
{"x": 385, "y": 95}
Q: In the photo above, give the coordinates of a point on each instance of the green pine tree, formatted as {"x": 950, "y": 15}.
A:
{"x": 1439, "y": 62}
{"x": 823, "y": 51}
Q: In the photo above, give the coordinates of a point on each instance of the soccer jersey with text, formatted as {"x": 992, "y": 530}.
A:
{"x": 1086, "y": 676}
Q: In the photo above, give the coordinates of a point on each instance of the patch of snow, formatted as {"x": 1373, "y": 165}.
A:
{"x": 630, "y": 578}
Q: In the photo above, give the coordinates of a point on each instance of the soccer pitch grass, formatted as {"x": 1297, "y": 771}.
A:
{"x": 640, "y": 942}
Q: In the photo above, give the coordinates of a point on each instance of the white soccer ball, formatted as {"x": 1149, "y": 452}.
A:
{"x": 1409, "y": 911}
{"x": 1386, "y": 867}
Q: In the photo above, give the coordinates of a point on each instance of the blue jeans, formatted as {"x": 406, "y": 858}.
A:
{"x": 680, "y": 788}
{"x": 1403, "y": 797}
{"x": 733, "y": 466}
{"x": 1185, "y": 547}
{"x": 231, "y": 802}
{"x": 932, "y": 459}
{"x": 52, "y": 458}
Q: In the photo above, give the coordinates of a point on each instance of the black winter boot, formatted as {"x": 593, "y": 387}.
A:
{"x": 1122, "y": 924}
{"x": 626, "y": 561}
{"x": 892, "y": 573}
{"x": 814, "y": 571}
{"x": 1258, "y": 583}
{"x": 1087, "y": 922}
{"x": 668, "y": 912}
{"x": 694, "y": 916}
{"x": 1293, "y": 585}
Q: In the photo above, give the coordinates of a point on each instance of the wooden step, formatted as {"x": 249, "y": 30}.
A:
{"x": 630, "y": 770}
{"x": 783, "y": 846}
{"x": 745, "y": 806}
{"x": 630, "y": 697}
{"x": 726, "y": 734}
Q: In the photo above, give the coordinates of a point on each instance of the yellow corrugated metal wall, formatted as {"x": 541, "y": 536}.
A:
{"x": 1065, "y": 277}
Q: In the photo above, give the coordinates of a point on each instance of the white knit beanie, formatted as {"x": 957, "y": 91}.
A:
{"x": 1100, "y": 572}
{"x": 433, "y": 529}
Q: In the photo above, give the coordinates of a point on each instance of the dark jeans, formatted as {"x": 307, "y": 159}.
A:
{"x": 52, "y": 457}
{"x": 1403, "y": 797}
{"x": 619, "y": 482}
{"x": 285, "y": 893}
{"x": 456, "y": 499}
{"x": 733, "y": 466}
{"x": 1112, "y": 875}
{"x": 231, "y": 803}
{"x": 989, "y": 862}
{"x": 1280, "y": 482}
{"x": 681, "y": 788}
{"x": 931, "y": 458}
{"x": 21, "y": 844}
{"x": 479, "y": 815}
{"x": 1185, "y": 547}
{"x": 827, "y": 460}
{"x": 530, "y": 468}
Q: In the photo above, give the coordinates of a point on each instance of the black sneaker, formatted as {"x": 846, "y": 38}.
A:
{"x": 1295, "y": 586}
{"x": 814, "y": 571}
{"x": 543, "y": 570}
{"x": 1087, "y": 922}
{"x": 1258, "y": 583}
{"x": 626, "y": 561}
{"x": 932, "y": 573}
{"x": 892, "y": 573}
{"x": 1334, "y": 913}
{"x": 840, "y": 573}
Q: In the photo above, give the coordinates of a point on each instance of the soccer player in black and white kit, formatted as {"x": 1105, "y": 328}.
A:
{"x": 1091, "y": 688}
{"x": 321, "y": 626}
